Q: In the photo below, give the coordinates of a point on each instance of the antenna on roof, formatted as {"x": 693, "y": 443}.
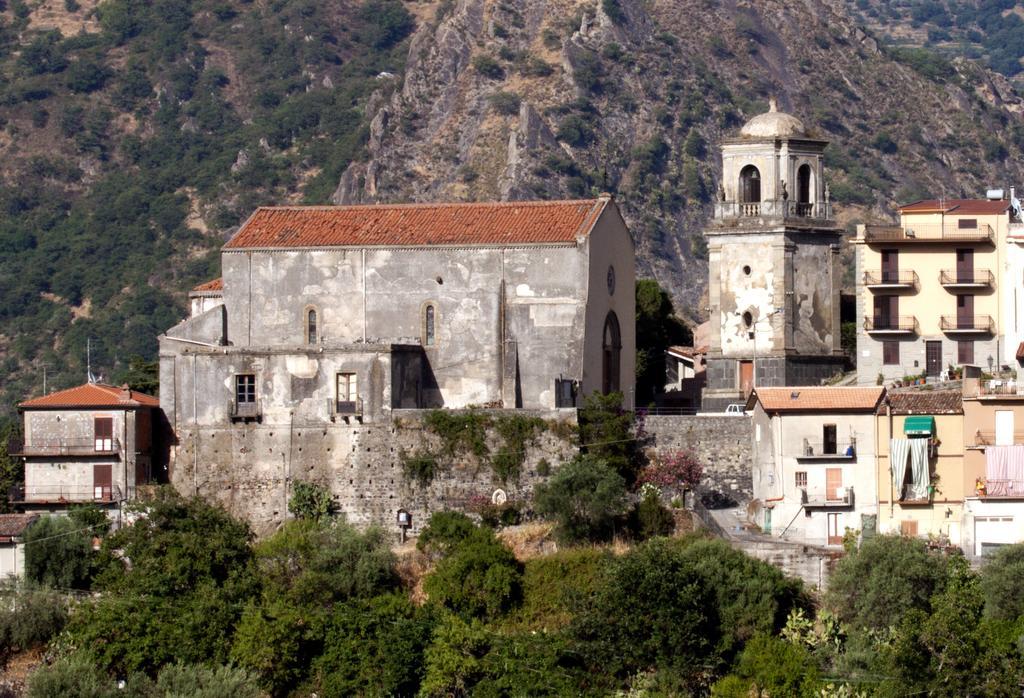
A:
{"x": 88, "y": 361}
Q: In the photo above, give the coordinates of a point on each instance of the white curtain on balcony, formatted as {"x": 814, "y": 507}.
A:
{"x": 1004, "y": 470}
{"x": 920, "y": 477}
{"x": 899, "y": 452}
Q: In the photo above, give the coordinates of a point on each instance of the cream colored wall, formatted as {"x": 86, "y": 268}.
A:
{"x": 949, "y": 466}
{"x": 980, "y": 415}
{"x": 930, "y": 301}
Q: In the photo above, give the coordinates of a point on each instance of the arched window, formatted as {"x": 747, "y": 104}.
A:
{"x": 803, "y": 184}
{"x": 311, "y": 335}
{"x": 750, "y": 185}
{"x": 611, "y": 347}
{"x": 428, "y": 325}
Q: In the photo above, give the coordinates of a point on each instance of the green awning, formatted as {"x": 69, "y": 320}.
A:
{"x": 919, "y": 425}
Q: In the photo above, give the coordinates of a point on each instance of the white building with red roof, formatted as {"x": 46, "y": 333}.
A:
{"x": 331, "y": 317}
{"x": 93, "y": 443}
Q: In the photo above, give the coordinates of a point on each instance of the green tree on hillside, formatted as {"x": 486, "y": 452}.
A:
{"x": 657, "y": 328}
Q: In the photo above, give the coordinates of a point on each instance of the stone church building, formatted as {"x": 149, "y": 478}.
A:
{"x": 774, "y": 275}
{"x": 329, "y": 320}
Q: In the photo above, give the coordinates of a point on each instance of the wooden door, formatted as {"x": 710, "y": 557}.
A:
{"x": 890, "y": 266}
{"x": 965, "y": 312}
{"x": 103, "y": 431}
{"x": 746, "y": 377}
{"x": 833, "y": 483}
{"x": 908, "y": 528}
{"x": 933, "y": 357}
{"x": 102, "y": 482}
{"x": 887, "y": 311}
{"x": 835, "y": 532}
{"x": 965, "y": 266}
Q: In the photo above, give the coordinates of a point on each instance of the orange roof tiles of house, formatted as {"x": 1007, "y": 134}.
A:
{"x": 92, "y": 395}
{"x": 967, "y": 207}
{"x": 419, "y": 225}
{"x": 815, "y": 399}
{"x": 215, "y": 285}
{"x": 929, "y": 402}
{"x": 14, "y": 525}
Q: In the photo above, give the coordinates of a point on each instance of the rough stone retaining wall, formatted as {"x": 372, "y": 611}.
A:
{"x": 724, "y": 444}
{"x": 249, "y": 468}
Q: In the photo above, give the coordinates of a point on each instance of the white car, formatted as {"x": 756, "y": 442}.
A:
{"x": 736, "y": 408}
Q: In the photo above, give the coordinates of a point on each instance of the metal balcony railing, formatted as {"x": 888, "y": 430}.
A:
{"x": 948, "y": 232}
{"x": 889, "y": 279}
{"x": 64, "y": 494}
{"x": 64, "y": 447}
{"x": 983, "y": 437}
{"x": 902, "y": 324}
{"x": 999, "y": 386}
{"x": 823, "y": 449}
{"x": 841, "y": 497}
{"x": 243, "y": 411}
{"x": 1002, "y": 488}
{"x": 975, "y": 278}
{"x": 981, "y": 324}
{"x": 344, "y": 408}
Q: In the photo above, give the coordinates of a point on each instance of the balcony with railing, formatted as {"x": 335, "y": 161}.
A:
{"x": 902, "y": 324}
{"x": 826, "y": 450}
{"x": 776, "y": 208}
{"x": 244, "y": 411}
{"x": 345, "y": 409}
{"x": 42, "y": 447}
{"x": 967, "y": 324}
{"x": 973, "y": 279}
{"x": 947, "y": 232}
{"x": 60, "y": 494}
{"x": 982, "y": 438}
{"x": 839, "y": 498}
{"x": 1000, "y": 489}
{"x": 885, "y": 280}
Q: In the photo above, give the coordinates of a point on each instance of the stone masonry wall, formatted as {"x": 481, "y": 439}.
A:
{"x": 249, "y": 468}
{"x": 723, "y": 444}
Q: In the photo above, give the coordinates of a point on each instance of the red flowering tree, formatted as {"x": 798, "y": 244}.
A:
{"x": 673, "y": 470}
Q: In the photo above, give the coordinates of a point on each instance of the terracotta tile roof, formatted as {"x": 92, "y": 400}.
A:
{"x": 14, "y": 525}
{"x": 93, "y": 395}
{"x": 925, "y": 402}
{"x": 967, "y": 207}
{"x": 815, "y": 399}
{"x": 415, "y": 225}
{"x": 215, "y": 285}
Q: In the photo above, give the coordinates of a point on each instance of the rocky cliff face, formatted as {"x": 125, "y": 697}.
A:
{"x": 519, "y": 99}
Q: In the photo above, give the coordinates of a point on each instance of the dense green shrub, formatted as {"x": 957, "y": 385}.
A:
{"x": 653, "y": 609}
{"x": 488, "y": 67}
{"x": 875, "y": 586}
{"x": 1001, "y": 583}
{"x": 374, "y": 647}
{"x": 506, "y": 103}
{"x": 480, "y": 578}
{"x": 387, "y": 22}
{"x": 76, "y": 678}
{"x": 29, "y": 618}
{"x": 586, "y": 497}
{"x": 555, "y": 586}
{"x": 650, "y": 518}
{"x": 445, "y": 531}
{"x": 58, "y": 552}
{"x": 311, "y": 500}
{"x": 773, "y": 667}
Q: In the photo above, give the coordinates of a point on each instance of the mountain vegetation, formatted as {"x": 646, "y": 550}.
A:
{"x": 136, "y": 137}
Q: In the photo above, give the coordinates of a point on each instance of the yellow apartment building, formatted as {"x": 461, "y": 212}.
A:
{"x": 921, "y": 490}
{"x": 928, "y": 289}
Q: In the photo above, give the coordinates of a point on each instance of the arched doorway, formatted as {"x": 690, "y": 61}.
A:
{"x": 803, "y": 190}
{"x": 611, "y": 348}
{"x": 750, "y": 185}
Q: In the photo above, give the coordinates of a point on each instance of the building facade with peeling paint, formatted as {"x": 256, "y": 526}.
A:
{"x": 773, "y": 264}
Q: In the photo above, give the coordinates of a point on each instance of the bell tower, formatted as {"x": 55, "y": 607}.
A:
{"x": 772, "y": 260}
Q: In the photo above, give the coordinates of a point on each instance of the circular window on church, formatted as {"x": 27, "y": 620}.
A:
{"x": 746, "y": 269}
{"x": 748, "y": 319}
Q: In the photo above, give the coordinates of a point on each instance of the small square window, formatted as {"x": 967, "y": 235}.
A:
{"x": 801, "y": 479}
